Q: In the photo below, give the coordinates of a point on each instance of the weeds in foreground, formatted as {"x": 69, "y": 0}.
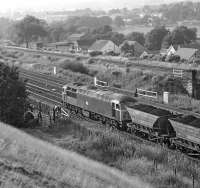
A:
{"x": 153, "y": 164}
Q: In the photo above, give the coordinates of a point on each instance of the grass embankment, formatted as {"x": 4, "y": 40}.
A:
{"x": 28, "y": 162}
{"x": 154, "y": 164}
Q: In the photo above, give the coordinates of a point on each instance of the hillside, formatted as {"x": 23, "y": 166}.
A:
{"x": 28, "y": 162}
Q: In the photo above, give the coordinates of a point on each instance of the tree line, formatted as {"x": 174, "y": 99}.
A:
{"x": 95, "y": 28}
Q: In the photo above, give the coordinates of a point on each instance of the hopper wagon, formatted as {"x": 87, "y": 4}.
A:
{"x": 151, "y": 121}
{"x": 187, "y": 130}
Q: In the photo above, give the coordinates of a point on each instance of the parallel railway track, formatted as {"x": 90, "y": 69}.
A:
{"x": 57, "y": 83}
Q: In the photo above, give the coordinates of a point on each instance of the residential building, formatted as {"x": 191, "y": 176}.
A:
{"x": 104, "y": 46}
{"x": 71, "y": 44}
{"x": 169, "y": 51}
{"x": 188, "y": 54}
{"x": 74, "y": 41}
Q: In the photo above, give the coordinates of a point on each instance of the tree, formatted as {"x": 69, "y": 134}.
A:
{"x": 13, "y": 96}
{"x": 29, "y": 29}
{"x": 180, "y": 36}
{"x": 128, "y": 49}
{"x": 105, "y": 20}
{"x": 155, "y": 37}
{"x": 167, "y": 41}
{"x": 183, "y": 35}
{"x": 119, "y": 22}
{"x": 117, "y": 38}
{"x": 56, "y": 33}
{"x": 102, "y": 30}
{"x": 136, "y": 36}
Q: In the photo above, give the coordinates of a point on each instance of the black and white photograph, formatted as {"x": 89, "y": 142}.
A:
{"x": 100, "y": 94}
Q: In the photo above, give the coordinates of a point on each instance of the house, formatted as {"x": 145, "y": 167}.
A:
{"x": 189, "y": 54}
{"x": 59, "y": 46}
{"x": 169, "y": 51}
{"x": 71, "y": 44}
{"x": 138, "y": 48}
{"x": 144, "y": 55}
{"x": 104, "y": 46}
{"x": 74, "y": 39}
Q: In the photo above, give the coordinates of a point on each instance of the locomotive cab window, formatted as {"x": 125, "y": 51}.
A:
{"x": 117, "y": 107}
{"x": 71, "y": 92}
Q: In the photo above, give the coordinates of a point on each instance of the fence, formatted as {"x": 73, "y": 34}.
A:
{"x": 146, "y": 93}
{"x": 178, "y": 73}
{"x": 100, "y": 83}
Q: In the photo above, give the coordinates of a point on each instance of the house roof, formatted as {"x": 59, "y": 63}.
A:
{"x": 186, "y": 53}
{"x": 75, "y": 36}
{"x": 63, "y": 43}
{"x": 98, "y": 45}
{"x": 167, "y": 50}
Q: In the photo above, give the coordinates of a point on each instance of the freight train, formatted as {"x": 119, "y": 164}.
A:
{"x": 126, "y": 113}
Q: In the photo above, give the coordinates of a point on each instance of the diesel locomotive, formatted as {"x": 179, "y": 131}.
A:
{"x": 126, "y": 113}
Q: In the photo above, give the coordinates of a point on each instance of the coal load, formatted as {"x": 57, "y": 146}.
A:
{"x": 152, "y": 110}
{"x": 186, "y": 119}
{"x": 195, "y": 123}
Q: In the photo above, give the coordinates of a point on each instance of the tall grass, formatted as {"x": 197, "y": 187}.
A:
{"x": 26, "y": 158}
{"x": 185, "y": 102}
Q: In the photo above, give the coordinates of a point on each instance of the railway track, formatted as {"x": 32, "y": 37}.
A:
{"x": 57, "y": 83}
{"x": 44, "y": 94}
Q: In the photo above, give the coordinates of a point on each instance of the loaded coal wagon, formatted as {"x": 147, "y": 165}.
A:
{"x": 99, "y": 104}
{"x": 150, "y": 121}
{"x": 187, "y": 130}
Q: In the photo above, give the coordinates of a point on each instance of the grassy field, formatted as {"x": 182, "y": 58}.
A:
{"x": 154, "y": 164}
{"x": 29, "y": 162}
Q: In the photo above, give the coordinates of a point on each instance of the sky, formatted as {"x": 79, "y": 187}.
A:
{"x": 46, "y": 5}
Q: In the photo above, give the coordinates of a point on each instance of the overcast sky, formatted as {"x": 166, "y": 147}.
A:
{"x": 38, "y": 5}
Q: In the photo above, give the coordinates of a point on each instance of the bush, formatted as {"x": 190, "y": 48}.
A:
{"x": 78, "y": 58}
{"x": 91, "y": 61}
{"x": 95, "y": 53}
{"x": 93, "y": 72}
{"x": 116, "y": 73}
{"x": 117, "y": 85}
{"x": 74, "y": 67}
{"x": 173, "y": 58}
{"x": 111, "y": 53}
{"x": 141, "y": 167}
{"x": 111, "y": 147}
